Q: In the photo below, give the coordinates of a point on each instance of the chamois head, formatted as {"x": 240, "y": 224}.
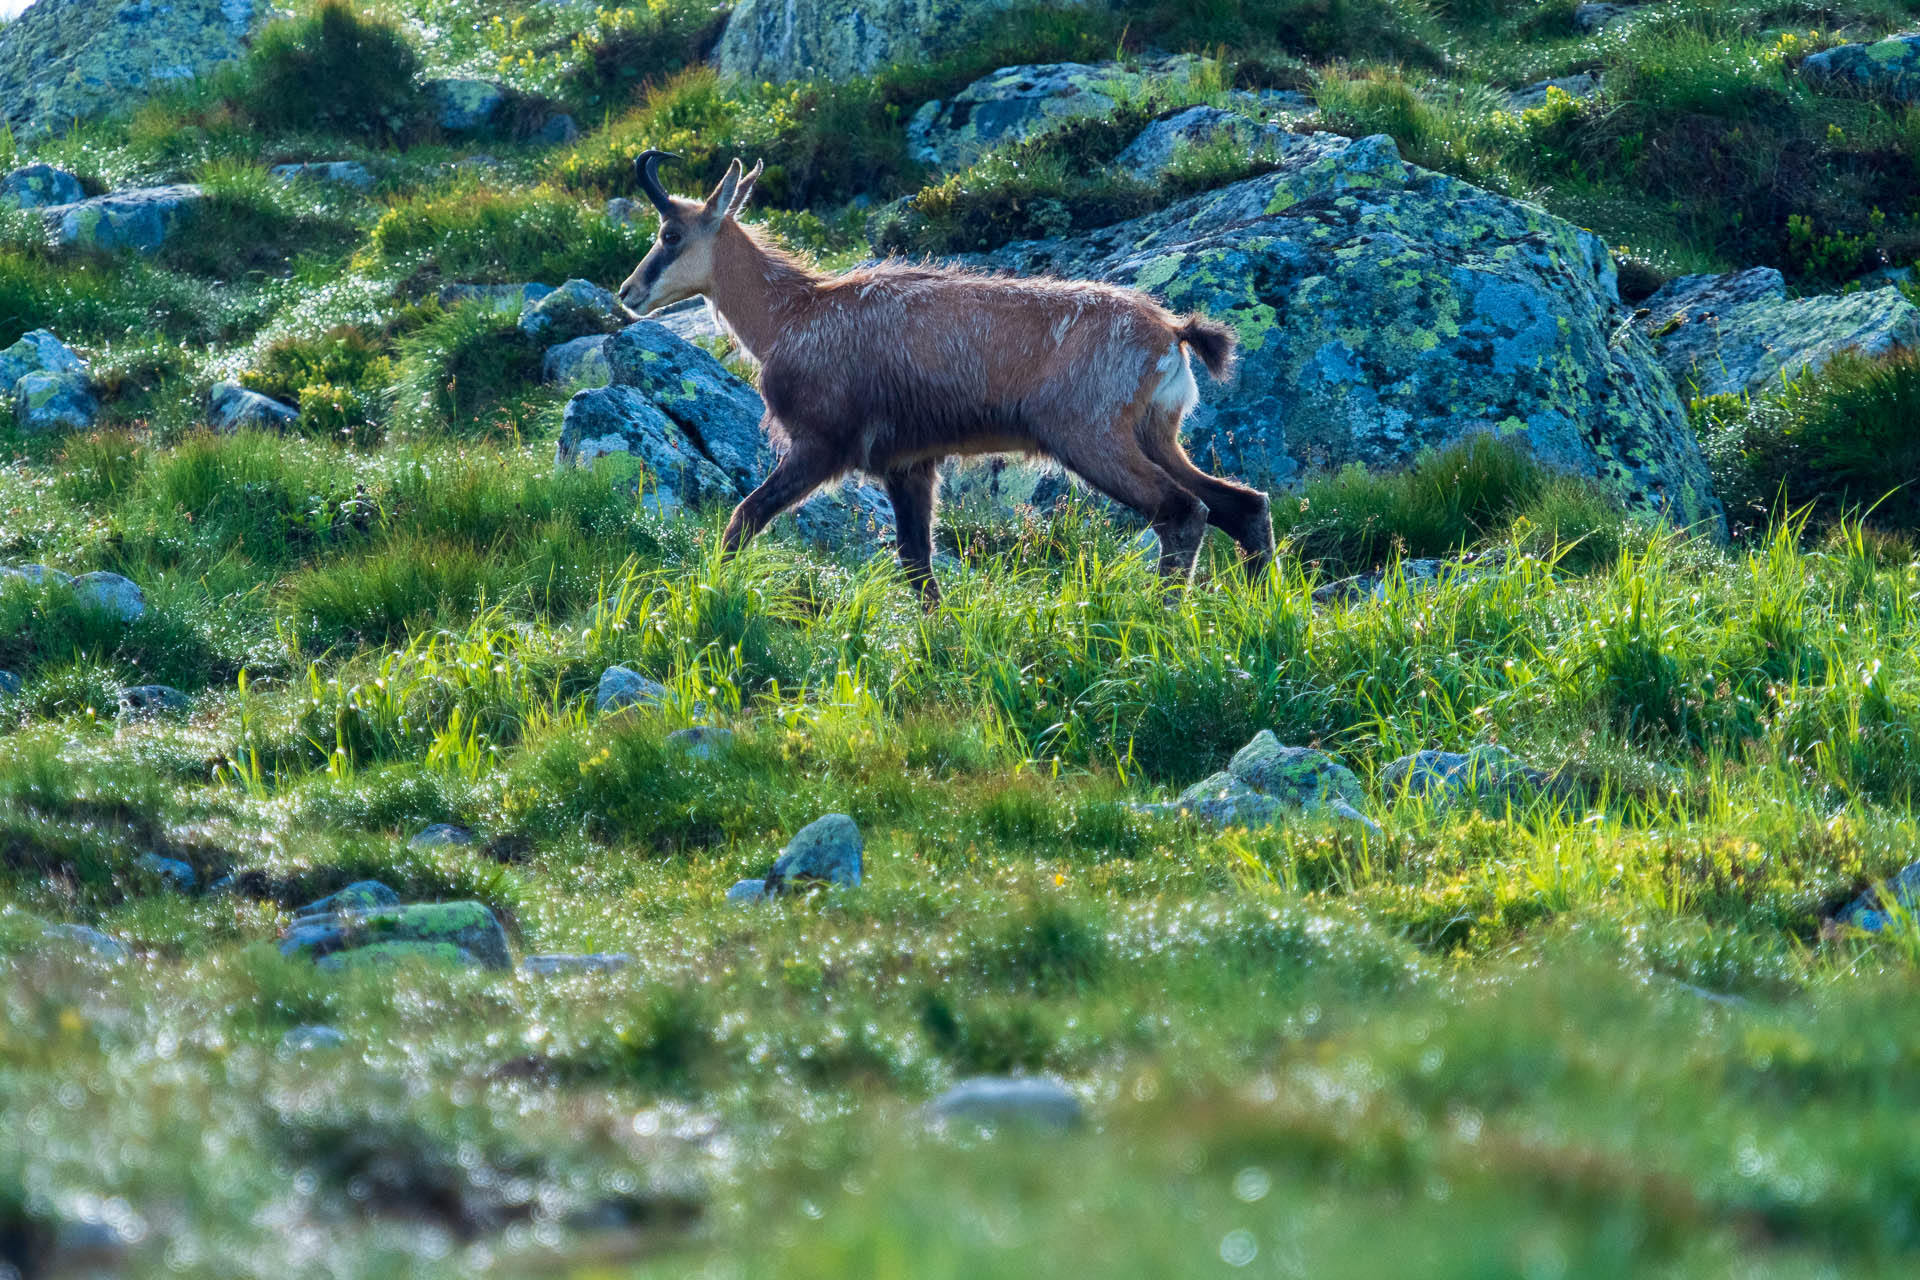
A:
{"x": 680, "y": 264}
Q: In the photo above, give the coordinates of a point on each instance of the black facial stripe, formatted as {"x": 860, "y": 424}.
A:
{"x": 659, "y": 264}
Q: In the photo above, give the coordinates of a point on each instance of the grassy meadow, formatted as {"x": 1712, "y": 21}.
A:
{"x": 1607, "y": 1027}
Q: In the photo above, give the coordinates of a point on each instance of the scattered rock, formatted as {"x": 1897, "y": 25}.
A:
{"x": 309, "y": 1038}
{"x": 85, "y": 937}
{"x": 10, "y": 684}
{"x": 462, "y": 932}
{"x": 361, "y": 895}
{"x": 1887, "y": 70}
{"x": 747, "y": 892}
{"x": 656, "y": 459}
{"x": 140, "y": 219}
{"x": 558, "y": 130}
{"x": 1161, "y": 143}
{"x": 623, "y": 687}
{"x": 461, "y": 106}
{"x": 826, "y": 849}
{"x": 112, "y": 593}
{"x": 1591, "y": 17}
{"x": 38, "y": 352}
{"x": 45, "y": 402}
{"x": 37, "y": 574}
{"x": 231, "y": 407}
{"x": 1010, "y": 1101}
{"x": 1265, "y": 781}
{"x": 1384, "y": 310}
{"x": 440, "y": 835}
{"x": 622, "y": 210}
{"x": 1447, "y": 777}
{"x": 702, "y": 742}
{"x": 348, "y": 173}
{"x": 580, "y": 363}
{"x": 1740, "y": 333}
{"x": 177, "y": 874}
{"x": 553, "y": 965}
{"x": 68, "y": 60}
{"x": 151, "y": 701}
{"x": 35, "y": 186}
{"x": 778, "y": 40}
{"x": 495, "y": 297}
{"x": 1583, "y": 85}
{"x": 1873, "y": 910}
{"x": 576, "y": 307}
{"x": 1016, "y": 103}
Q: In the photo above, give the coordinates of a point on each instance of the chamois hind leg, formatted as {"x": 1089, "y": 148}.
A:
{"x": 911, "y": 490}
{"x": 1243, "y": 514}
{"x": 1114, "y": 464}
{"x": 805, "y": 468}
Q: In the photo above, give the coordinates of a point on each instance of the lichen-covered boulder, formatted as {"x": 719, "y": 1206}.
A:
{"x": 623, "y": 687}
{"x": 35, "y": 186}
{"x": 68, "y": 60}
{"x": 649, "y": 452}
{"x": 111, "y": 593}
{"x": 231, "y": 407}
{"x": 1160, "y": 145}
{"x": 140, "y": 219}
{"x": 347, "y": 173}
{"x": 708, "y": 403}
{"x": 361, "y": 895}
{"x": 778, "y": 40}
{"x": 151, "y": 701}
{"x": 461, "y": 106}
{"x": 1888, "y": 69}
{"x": 37, "y": 352}
{"x": 1021, "y": 102}
{"x": 46, "y": 402}
{"x": 826, "y": 850}
{"x": 1384, "y": 310}
{"x": 576, "y": 307}
{"x": 579, "y": 363}
{"x": 1265, "y": 782}
{"x": 1740, "y": 333}
{"x": 1451, "y": 776}
{"x": 460, "y": 932}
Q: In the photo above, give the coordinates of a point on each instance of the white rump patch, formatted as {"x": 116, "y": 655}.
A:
{"x": 1177, "y": 392}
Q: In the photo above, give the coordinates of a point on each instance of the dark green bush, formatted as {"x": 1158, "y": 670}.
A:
{"x": 337, "y": 71}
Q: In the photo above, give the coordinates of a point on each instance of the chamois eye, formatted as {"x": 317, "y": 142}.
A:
{"x": 669, "y": 237}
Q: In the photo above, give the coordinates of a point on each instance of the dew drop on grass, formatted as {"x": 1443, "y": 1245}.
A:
{"x": 1238, "y": 1248}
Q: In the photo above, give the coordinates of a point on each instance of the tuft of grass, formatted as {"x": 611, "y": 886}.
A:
{"x": 335, "y": 70}
{"x": 488, "y": 235}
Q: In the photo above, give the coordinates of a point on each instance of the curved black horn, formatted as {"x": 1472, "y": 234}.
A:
{"x": 647, "y": 166}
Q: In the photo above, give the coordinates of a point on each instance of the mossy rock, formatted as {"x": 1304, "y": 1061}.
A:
{"x": 777, "y": 40}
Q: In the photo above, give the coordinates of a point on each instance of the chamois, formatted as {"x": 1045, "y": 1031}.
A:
{"x": 890, "y": 369}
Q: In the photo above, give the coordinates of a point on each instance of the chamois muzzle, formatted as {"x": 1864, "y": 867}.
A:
{"x": 646, "y": 166}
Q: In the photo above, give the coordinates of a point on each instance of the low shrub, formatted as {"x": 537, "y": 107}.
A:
{"x": 334, "y": 70}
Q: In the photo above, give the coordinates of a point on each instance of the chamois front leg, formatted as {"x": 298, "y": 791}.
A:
{"x": 911, "y": 493}
{"x": 805, "y": 468}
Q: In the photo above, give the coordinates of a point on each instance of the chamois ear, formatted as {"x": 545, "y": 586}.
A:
{"x": 721, "y": 200}
{"x": 745, "y": 193}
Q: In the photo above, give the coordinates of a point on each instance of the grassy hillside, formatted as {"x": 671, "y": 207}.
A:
{"x": 1605, "y": 1025}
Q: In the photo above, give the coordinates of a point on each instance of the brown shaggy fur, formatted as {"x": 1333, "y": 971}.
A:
{"x": 891, "y": 369}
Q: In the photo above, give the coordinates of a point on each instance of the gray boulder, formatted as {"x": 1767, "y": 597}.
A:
{"x": 1874, "y": 909}
{"x": 177, "y": 874}
{"x": 462, "y": 106}
{"x": 456, "y": 932}
{"x": 1016, "y": 103}
{"x": 513, "y": 298}
{"x": 575, "y": 308}
{"x": 346, "y": 173}
{"x": 1160, "y": 144}
{"x": 35, "y": 186}
{"x": 778, "y": 40}
{"x": 622, "y": 687}
{"x": 1010, "y": 1101}
{"x": 231, "y": 407}
{"x": 652, "y": 455}
{"x": 558, "y": 130}
{"x": 579, "y": 363}
{"x": 68, "y": 60}
{"x": 1740, "y": 333}
{"x": 549, "y": 966}
{"x": 1583, "y": 85}
{"x": 141, "y": 219}
{"x": 825, "y": 850}
{"x": 1887, "y": 70}
{"x": 111, "y": 593}
{"x": 440, "y": 835}
{"x": 361, "y": 895}
{"x": 1598, "y": 15}
{"x": 713, "y": 407}
{"x": 745, "y": 893}
{"x": 1384, "y": 310}
{"x": 38, "y": 352}
{"x": 689, "y": 320}
{"x": 35, "y": 574}
{"x": 1448, "y": 777}
{"x": 85, "y": 938}
{"x": 1265, "y": 782}
{"x": 48, "y": 402}
{"x": 151, "y": 701}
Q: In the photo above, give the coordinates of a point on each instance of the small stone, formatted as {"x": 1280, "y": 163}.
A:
{"x": 558, "y": 130}
{"x": 149, "y": 701}
{"x": 348, "y": 173}
{"x": 1592, "y": 17}
{"x": 177, "y": 874}
{"x": 36, "y": 574}
{"x": 462, "y": 106}
{"x": 702, "y": 742}
{"x": 747, "y": 892}
{"x": 36, "y": 186}
{"x": 310, "y": 1037}
{"x": 826, "y": 849}
{"x": 1010, "y": 1101}
{"x": 548, "y": 966}
{"x": 621, "y": 210}
{"x": 231, "y": 406}
{"x": 361, "y": 895}
{"x": 1873, "y": 910}
{"x": 576, "y": 307}
{"x": 47, "y": 402}
{"x": 111, "y": 593}
{"x": 622, "y": 687}
{"x": 440, "y": 835}
{"x": 87, "y": 937}
{"x": 10, "y": 684}
{"x": 463, "y": 932}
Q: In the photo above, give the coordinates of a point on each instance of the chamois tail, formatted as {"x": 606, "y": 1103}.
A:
{"x": 1212, "y": 341}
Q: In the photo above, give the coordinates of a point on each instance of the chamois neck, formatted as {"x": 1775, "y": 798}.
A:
{"x": 758, "y": 289}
